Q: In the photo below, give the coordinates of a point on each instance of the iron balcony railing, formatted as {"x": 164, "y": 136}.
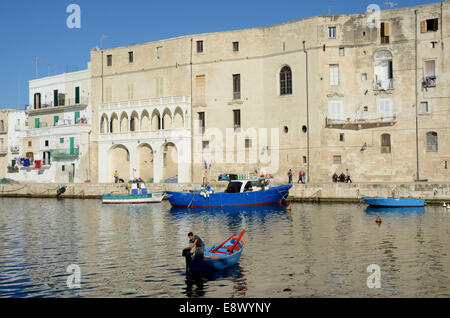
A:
{"x": 381, "y": 85}
{"x": 61, "y": 103}
{"x": 64, "y": 153}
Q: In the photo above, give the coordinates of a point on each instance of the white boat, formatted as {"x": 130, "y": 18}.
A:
{"x": 137, "y": 195}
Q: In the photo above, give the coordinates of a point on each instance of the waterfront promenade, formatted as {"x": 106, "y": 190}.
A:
{"x": 433, "y": 193}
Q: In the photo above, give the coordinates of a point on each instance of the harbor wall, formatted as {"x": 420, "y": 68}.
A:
{"x": 433, "y": 193}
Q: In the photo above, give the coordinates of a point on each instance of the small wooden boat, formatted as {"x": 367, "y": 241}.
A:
{"x": 137, "y": 195}
{"x": 394, "y": 202}
{"x": 217, "y": 257}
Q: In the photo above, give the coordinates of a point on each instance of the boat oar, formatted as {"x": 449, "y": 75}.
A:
{"x": 230, "y": 251}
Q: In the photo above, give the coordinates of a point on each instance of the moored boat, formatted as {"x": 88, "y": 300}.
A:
{"x": 217, "y": 257}
{"x": 137, "y": 195}
{"x": 394, "y": 202}
{"x": 239, "y": 192}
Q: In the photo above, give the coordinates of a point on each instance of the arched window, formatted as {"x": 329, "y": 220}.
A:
{"x": 432, "y": 141}
{"x": 385, "y": 143}
{"x": 286, "y": 81}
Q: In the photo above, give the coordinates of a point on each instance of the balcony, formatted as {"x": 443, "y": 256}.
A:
{"x": 62, "y": 154}
{"x": 147, "y": 102}
{"x": 384, "y": 85}
{"x": 361, "y": 123}
{"x": 63, "y": 103}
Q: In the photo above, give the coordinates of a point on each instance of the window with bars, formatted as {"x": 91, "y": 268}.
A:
{"x": 130, "y": 57}
{"x": 286, "y": 81}
{"x": 337, "y": 160}
{"x": 237, "y": 120}
{"x": 199, "y": 46}
{"x": 332, "y": 32}
{"x": 385, "y": 143}
{"x": 235, "y": 46}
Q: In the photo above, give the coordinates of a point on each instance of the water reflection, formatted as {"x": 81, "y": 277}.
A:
{"x": 383, "y": 210}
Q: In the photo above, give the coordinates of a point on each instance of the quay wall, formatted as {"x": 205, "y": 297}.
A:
{"x": 433, "y": 193}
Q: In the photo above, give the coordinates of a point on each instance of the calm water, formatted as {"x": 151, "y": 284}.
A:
{"x": 312, "y": 251}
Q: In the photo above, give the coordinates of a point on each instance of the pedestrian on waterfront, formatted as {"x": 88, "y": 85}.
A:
{"x": 300, "y": 177}
{"x": 304, "y": 177}
{"x": 116, "y": 177}
{"x": 348, "y": 177}
{"x": 196, "y": 241}
{"x": 290, "y": 176}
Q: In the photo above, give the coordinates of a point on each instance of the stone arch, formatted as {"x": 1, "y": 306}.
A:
{"x": 167, "y": 119}
{"x": 124, "y": 122}
{"x": 119, "y": 160}
{"x": 156, "y": 120}
{"x": 134, "y": 121}
{"x": 145, "y": 161}
{"x": 170, "y": 161}
{"x": 178, "y": 120}
{"x": 145, "y": 121}
{"x": 114, "y": 123}
{"x": 104, "y": 124}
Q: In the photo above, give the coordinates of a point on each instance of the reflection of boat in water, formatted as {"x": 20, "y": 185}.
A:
{"x": 231, "y": 210}
{"x": 378, "y": 210}
{"x": 242, "y": 192}
{"x": 394, "y": 202}
{"x": 137, "y": 195}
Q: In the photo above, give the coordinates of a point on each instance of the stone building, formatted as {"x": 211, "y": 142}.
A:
{"x": 3, "y": 142}
{"x": 365, "y": 92}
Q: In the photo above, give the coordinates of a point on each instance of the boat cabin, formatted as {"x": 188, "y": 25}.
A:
{"x": 240, "y": 186}
{"x": 138, "y": 188}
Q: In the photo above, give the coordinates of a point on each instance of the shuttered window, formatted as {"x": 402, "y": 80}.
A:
{"x": 200, "y": 86}
{"x": 432, "y": 141}
{"x": 334, "y": 74}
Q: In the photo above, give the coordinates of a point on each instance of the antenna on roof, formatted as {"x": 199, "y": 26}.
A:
{"x": 101, "y": 40}
{"x": 389, "y": 4}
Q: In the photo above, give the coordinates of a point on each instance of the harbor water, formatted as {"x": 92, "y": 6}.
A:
{"x": 313, "y": 250}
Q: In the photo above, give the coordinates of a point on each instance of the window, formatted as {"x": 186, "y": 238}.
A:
{"x": 286, "y": 81}
{"x": 384, "y": 32}
{"x": 432, "y": 141}
{"x": 130, "y": 57}
{"x": 341, "y": 137}
{"x": 205, "y": 144}
{"x": 237, "y": 120}
{"x": 63, "y": 168}
{"x": 199, "y": 46}
{"x": 248, "y": 143}
{"x": 424, "y": 108}
{"x": 77, "y": 95}
{"x": 364, "y": 76}
{"x": 385, "y": 109}
{"x": 30, "y": 144}
{"x": 109, "y": 60}
{"x": 337, "y": 160}
{"x": 201, "y": 119}
{"x": 46, "y": 143}
{"x": 430, "y": 25}
{"x": 383, "y": 72}
{"x": 237, "y": 86}
{"x": 200, "y": 87}
{"x": 332, "y": 32}
{"x": 235, "y": 46}
{"x": 335, "y": 110}
{"x": 61, "y": 140}
{"x": 55, "y": 97}
{"x": 37, "y": 123}
{"x": 385, "y": 143}
{"x": 341, "y": 51}
{"x": 37, "y": 100}
{"x": 334, "y": 75}
{"x": 159, "y": 52}
{"x": 430, "y": 73}
{"x": 304, "y": 160}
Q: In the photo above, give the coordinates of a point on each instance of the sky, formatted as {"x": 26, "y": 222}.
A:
{"x": 36, "y": 30}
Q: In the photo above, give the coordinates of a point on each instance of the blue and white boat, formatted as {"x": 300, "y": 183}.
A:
{"x": 217, "y": 257}
{"x": 394, "y": 202}
{"x": 137, "y": 195}
{"x": 240, "y": 192}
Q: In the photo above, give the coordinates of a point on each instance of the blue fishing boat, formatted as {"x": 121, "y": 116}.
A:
{"x": 240, "y": 192}
{"x": 394, "y": 202}
{"x": 217, "y": 257}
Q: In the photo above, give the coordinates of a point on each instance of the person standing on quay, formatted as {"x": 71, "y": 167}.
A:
{"x": 116, "y": 177}
{"x": 290, "y": 176}
{"x": 300, "y": 177}
{"x": 348, "y": 179}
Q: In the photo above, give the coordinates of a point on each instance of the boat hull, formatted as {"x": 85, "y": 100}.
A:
{"x": 215, "y": 264}
{"x": 393, "y": 202}
{"x": 132, "y": 199}
{"x": 274, "y": 195}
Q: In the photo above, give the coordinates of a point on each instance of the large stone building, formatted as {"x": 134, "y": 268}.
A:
{"x": 322, "y": 94}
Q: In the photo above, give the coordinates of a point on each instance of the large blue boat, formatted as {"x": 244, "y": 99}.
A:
{"x": 238, "y": 193}
{"x": 394, "y": 202}
{"x": 217, "y": 257}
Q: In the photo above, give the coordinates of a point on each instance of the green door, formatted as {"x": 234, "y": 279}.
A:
{"x": 36, "y": 123}
{"x": 77, "y": 95}
{"x": 55, "y": 120}
{"x": 72, "y": 145}
{"x": 77, "y": 117}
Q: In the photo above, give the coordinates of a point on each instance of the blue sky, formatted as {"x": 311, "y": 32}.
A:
{"x": 37, "y": 28}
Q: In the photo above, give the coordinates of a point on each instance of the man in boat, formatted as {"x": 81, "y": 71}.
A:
{"x": 196, "y": 241}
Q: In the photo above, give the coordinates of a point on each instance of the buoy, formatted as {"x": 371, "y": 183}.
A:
{"x": 378, "y": 221}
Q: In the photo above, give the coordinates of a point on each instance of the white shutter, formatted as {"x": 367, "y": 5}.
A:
{"x": 384, "y": 108}
{"x": 334, "y": 74}
{"x": 335, "y": 110}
